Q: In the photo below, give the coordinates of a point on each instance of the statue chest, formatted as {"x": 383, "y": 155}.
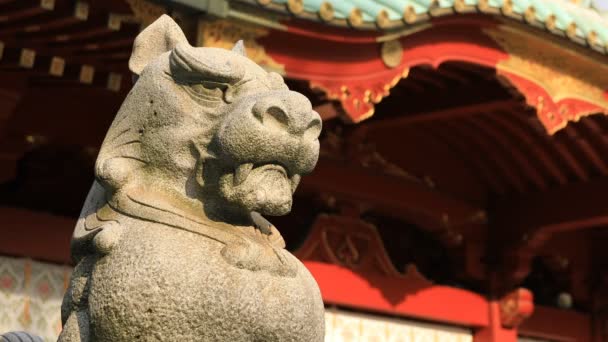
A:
{"x": 177, "y": 278}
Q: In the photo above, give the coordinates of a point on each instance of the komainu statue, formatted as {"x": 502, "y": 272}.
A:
{"x": 171, "y": 244}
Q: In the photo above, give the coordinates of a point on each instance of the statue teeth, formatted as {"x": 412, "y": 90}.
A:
{"x": 295, "y": 180}
{"x": 242, "y": 172}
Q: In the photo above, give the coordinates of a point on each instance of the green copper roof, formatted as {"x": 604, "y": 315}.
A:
{"x": 583, "y": 21}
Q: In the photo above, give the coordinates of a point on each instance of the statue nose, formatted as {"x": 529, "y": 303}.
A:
{"x": 288, "y": 112}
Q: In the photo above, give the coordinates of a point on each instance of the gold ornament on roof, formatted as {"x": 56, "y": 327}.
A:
{"x": 326, "y": 11}
{"x": 563, "y": 74}
{"x": 225, "y": 33}
{"x": 355, "y": 17}
{"x": 391, "y": 53}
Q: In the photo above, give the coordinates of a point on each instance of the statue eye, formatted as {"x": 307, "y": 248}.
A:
{"x": 206, "y": 90}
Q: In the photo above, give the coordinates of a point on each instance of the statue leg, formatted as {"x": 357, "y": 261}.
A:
{"x": 74, "y": 309}
{"x": 75, "y": 305}
{"x": 76, "y": 328}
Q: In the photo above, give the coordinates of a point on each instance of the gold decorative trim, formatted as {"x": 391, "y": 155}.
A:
{"x": 355, "y": 17}
{"x": 224, "y": 33}
{"x": 507, "y": 7}
{"x": 592, "y": 38}
{"x": 501, "y": 9}
{"x": 563, "y": 74}
{"x": 461, "y": 6}
{"x": 57, "y": 66}
{"x": 530, "y": 14}
{"x": 81, "y": 10}
{"x": 114, "y": 22}
{"x": 87, "y": 72}
{"x": 295, "y": 6}
{"x": 48, "y": 5}
{"x": 484, "y": 6}
{"x": 326, "y": 11}
{"x": 358, "y": 100}
{"x": 571, "y": 31}
{"x": 27, "y": 58}
{"x": 382, "y": 19}
{"x": 551, "y": 22}
{"x": 391, "y": 53}
{"x": 409, "y": 15}
{"x": 114, "y": 81}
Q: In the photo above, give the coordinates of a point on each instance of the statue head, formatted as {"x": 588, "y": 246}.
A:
{"x": 208, "y": 128}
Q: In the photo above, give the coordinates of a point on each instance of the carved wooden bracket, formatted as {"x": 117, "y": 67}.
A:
{"x": 563, "y": 85}
{"x": 354, "y": 244}
{"x": 358, "y": 97}
{"x": 515, "y": 307}
{"x": 518, "y": 258}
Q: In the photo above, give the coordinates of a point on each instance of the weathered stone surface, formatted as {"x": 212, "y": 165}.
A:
{"x": 170, "y": 244}
{"x": 19, "y": 336}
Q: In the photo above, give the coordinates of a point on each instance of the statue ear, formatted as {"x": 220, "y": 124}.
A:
{"x": 161, "y": 36}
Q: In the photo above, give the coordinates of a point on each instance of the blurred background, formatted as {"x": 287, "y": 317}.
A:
{"x": 460, "y": 191}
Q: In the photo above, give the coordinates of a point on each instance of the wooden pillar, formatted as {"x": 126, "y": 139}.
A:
{"x": 505, "y": 315}
{"x": 495, "y": 332}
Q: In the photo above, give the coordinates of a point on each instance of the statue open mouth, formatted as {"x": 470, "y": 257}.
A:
{"x": 265, "y": 188}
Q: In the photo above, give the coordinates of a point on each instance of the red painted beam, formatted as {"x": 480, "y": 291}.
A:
{"x": 354, "y": 72}
{"x": 341, "y": 286}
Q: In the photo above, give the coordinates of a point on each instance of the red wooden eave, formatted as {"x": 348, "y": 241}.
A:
{"x": 341, "y": 286}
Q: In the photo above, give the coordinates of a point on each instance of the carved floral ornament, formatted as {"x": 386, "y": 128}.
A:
{"x": 515, "y": 307}
{"x": 356, "y": 245}
{"x": 356, "y": 96}
{"x": 563, "y": 85}
{"x": 359, "y": 97}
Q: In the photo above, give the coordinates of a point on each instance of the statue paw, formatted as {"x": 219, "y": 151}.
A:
{"x": 242, "y": 255}
{"x": 108, "y": 237}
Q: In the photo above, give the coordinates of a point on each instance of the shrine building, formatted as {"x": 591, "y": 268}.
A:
{"x": 461, "y": 192}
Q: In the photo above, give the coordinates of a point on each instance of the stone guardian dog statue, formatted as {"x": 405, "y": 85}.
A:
{"x": 171, "y": 244}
